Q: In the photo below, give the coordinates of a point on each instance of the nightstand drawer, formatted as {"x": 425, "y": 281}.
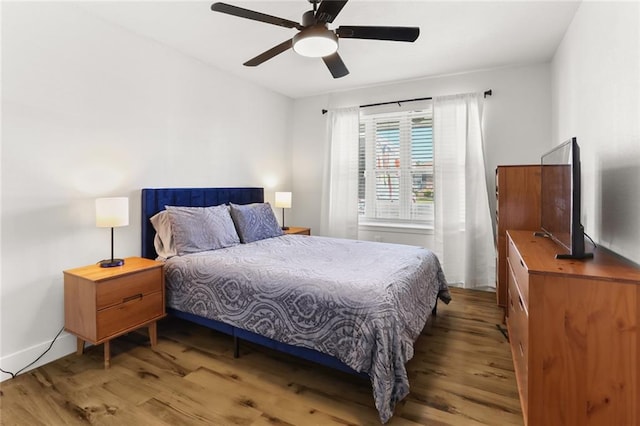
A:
{"x": 135, "y": 311}
{"x": 114, "y": 292}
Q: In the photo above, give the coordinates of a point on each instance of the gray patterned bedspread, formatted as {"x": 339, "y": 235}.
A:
{"x": 364, "y": 303}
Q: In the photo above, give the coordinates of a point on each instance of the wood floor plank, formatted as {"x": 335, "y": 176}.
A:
{"x": 170, "y": 414}
{"x": 461, "y": 375}
{"x": 476, "y": 377}
{"x": 436, "y": 416}
{"x": 287, "y": 407}
{"x": 213, "y": 403}
{"x": 39, "y": 401}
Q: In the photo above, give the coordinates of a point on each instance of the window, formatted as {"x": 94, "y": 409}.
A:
{"x": 395, "y": 181}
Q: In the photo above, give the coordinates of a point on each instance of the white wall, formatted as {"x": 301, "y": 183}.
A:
{"x": 90, "y": 110}
{"x": 517, "y": 130}
{"x": 596, "y": 97}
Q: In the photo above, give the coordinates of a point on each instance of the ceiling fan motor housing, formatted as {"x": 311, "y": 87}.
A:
{"x": 308, "y": 18}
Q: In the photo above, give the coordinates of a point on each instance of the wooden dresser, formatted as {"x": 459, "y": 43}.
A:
{"x": 574, "y": 335}
{"x": 517, "y": 207}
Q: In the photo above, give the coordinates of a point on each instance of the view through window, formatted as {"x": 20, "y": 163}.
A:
{"x": 395, "y": 180}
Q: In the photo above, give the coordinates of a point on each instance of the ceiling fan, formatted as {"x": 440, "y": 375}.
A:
{"x": 314, "y": 38}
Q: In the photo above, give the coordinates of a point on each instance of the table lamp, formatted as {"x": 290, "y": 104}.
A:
{"x": 283, "y": 200}
{"x": 110, "y": 213}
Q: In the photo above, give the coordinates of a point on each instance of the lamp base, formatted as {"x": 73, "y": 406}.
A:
{"x": 110, "y": 263}
{"x": 285, "y": 228}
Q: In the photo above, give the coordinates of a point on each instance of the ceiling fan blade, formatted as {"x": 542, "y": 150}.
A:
{"x": 336, "y": 66}
{"x": 265, "y": 56}
{"x": 256, "y": 16}
{"x": 379, "y": 33}
{"x": 329, "y": 9}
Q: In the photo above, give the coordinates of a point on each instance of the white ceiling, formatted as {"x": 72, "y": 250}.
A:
{"x": 454, "y": 37}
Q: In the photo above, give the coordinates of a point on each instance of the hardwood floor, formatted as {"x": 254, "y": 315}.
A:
{"x": 461, "y": 374}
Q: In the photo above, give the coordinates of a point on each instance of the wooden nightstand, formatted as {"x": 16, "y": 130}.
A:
{"x": 103, "y": 303}
{"x": 297, "y": 230}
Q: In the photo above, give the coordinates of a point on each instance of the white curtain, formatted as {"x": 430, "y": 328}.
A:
{"x": 463, "y": 230}
{"x": 339, "y": 216}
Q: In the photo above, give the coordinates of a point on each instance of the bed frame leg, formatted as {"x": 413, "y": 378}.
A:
{"x": 236, "y": 347}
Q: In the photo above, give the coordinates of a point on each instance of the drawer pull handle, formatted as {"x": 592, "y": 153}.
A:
{"x": 522, "y": 263}
{"x": 521, "y": 303}
{"x": 521, "y": 349}
{"x": 130, "y": 298}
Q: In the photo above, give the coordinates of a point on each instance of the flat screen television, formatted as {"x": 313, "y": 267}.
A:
{"x": 560, "y": 200}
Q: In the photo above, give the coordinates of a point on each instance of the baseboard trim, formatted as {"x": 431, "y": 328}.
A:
{"x": 63, "y": 346}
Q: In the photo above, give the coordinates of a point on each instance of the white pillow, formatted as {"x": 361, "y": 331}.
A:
{"x": 163, "y": 241}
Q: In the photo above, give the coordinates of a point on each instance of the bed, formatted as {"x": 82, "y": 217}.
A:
{"x": 298, "y": 295}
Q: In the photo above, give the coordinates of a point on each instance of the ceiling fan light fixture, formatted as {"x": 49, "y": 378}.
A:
{"x": 315, "y": 42}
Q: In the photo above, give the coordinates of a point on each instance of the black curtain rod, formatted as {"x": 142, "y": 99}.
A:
{"x": 396, "y": 102}
{"x": 486, "y": 93}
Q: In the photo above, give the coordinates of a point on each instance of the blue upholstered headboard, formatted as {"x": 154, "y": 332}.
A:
{"x": 154, "y": 200}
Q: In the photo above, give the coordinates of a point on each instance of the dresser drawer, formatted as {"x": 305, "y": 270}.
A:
{"x": 518, "y": 322}
{"x": 518, "y": 317}
{"x": 114, "y": 292}
{"x": 129, "y": 315}
{"x": 520, "y": 273}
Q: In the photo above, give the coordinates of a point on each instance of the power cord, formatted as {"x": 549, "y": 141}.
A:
{"x": 13, "y": 375}
{"x": 595, "y": 246}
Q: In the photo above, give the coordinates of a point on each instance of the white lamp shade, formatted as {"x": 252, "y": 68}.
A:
{"x": 112, "y": 212}
{"x": 283, "y": 200}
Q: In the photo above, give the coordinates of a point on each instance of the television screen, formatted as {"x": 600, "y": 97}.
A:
{"x": 560, "y": 199}
{"x": 556, "y": 194}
